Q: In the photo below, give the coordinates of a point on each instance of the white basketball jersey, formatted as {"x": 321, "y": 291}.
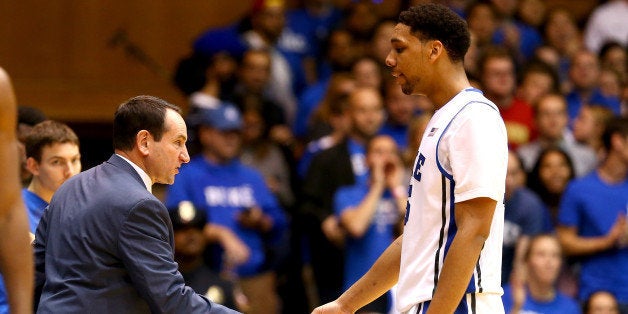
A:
{"x": 463, "y": 155}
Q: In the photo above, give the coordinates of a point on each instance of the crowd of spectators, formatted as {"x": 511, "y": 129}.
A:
{"x": 310, "y": 82}
{"x": 300, "y": 141}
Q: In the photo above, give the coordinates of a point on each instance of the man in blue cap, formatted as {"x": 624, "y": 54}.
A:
{"x": 244, "y": 217}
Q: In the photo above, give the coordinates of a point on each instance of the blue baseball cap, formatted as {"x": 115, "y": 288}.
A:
{"x": 225, "y": 117}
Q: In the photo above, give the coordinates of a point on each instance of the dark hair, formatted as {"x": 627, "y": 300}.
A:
{"x": 29, "y": 115}
{"x": 136, "y": 114}
{"x": 47, "y": 133}
{"x": 436, "y": 21}
{"x": 534, "y": 180}
{"x": 616, "y": 125}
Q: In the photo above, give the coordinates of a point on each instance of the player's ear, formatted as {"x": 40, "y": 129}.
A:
{"x": 436, "y": 48}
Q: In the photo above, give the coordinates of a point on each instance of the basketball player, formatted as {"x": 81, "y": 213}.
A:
{"x": 449, "y": 257}
{"x": 16, "y": 255}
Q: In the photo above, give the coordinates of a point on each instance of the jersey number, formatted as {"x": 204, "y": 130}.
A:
{"x": 417, "y": 175}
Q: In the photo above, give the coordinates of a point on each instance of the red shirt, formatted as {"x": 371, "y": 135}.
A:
{"x": 519, "y": 120}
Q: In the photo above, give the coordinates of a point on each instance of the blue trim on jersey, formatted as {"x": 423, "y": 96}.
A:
{"x": 440, "y": 167}
{"x": 473, "y": 89}
{"x": 441, "y": 236}
{"x": 462, "y": 308}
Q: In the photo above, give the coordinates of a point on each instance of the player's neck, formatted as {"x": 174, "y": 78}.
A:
{"x": 447, "y": 87}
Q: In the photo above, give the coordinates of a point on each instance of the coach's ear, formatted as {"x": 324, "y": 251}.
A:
{"x": 436, "y": 49}
{"x": 142, "y": 141}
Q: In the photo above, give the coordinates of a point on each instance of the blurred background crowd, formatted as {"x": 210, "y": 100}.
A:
{"x": 302, "y": 143}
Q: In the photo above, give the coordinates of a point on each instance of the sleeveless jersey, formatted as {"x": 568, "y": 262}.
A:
{"x": 463, "y": 155}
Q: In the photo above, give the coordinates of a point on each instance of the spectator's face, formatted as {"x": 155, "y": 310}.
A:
{"x": 366, "y": 112}
{"x": 362, "y": 18}
{"x": 498, "y": 77}
{"x": 616, "y": 58}
{"x": 189, "y": 242}
{"x": 255, "y": 71}
{"x": 341, "y": 52}
{"x": 602, "y": 303}
{"x": 532, "y": 12}
{"x": 585, "y": 70}
{"x": 609, "y": 83}
{"x": 382, "y": 150}
{"x": 584, "y": 126}
{"x": 482, "y": 23}
{"x": 535, "y": 85}
{"x": 59, "y": 162}
{"x": 561, "y": 31}
{"x": 554, "y": 172}
{"x": 367, "y": 74}
{"x": 270, "y": 22}
{"x": 253, "y": 126}
{"x": 166, "y": 156}
{"x": 551, "y": 117}
{"x": 544, "y": 260}
{"x": 222, "y": 145}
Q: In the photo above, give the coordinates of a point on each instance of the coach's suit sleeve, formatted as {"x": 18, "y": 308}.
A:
{"x": 145, "y": 247}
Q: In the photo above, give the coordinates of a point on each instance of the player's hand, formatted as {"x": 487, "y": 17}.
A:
{"x": 331, "y": 308}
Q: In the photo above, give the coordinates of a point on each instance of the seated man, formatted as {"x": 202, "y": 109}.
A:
{"x": 189, "y": 244}
{"x": 52, "y": 157}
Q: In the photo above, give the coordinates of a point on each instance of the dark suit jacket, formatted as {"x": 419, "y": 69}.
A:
{"x": 329, "y": 170}
{"x": 105, "y": 245}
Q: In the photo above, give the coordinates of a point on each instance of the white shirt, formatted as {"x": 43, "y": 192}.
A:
{"x": 463, "y": 155}
{"x": 145, "y": 178}
{"x": 608, "y": 22}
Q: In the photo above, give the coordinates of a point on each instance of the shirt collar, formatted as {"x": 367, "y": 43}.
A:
{"x": 145, "y": 178}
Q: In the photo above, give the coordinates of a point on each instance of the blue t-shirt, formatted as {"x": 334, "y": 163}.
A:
{"x": 361, "y": 253}
{"x": 357, "y": 154}
{"x": 562, "y": 304}
{"x": 35, "y": 207}
{"x": 224, "y": 191}
{"x": 592, "y": 207}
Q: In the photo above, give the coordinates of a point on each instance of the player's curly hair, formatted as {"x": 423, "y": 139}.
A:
{"x": 436, "y": 21}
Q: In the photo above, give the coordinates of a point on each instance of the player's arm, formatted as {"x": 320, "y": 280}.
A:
{"x": 379, "y": 279}
{"x": 473, "y": 218}
{"x": 16, "y": 256}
